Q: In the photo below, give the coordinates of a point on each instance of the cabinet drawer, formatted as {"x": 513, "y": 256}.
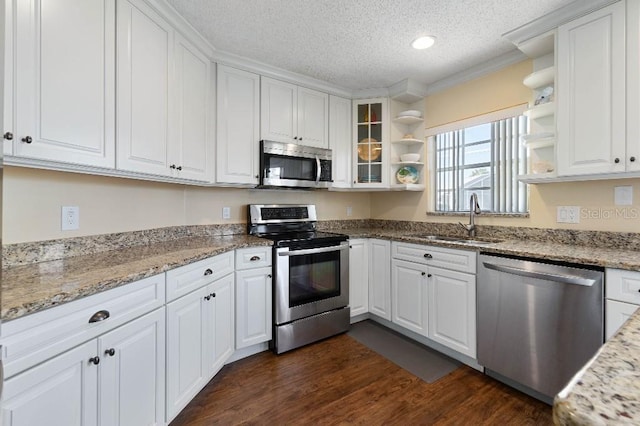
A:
{"x": 35, "y": 338}
{"x": 623, "y": 285}
{"x": 456, "y": 260}
{"x": 185, "y": 279}
{"x": 253, "y": 257}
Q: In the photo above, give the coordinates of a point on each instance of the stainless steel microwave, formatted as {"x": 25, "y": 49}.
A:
{"x": 294, "y": 166}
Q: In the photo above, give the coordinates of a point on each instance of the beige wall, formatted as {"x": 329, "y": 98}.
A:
{"x": 33, "y": 200}
{"x": 497, "y": 91}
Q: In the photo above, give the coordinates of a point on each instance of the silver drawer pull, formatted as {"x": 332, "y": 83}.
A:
{"x": 208, "y": 271}
{"x": 254, "y": 258}
{"x": 99, "y": 316}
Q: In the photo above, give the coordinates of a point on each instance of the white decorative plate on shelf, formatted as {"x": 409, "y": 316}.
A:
{"x": 407, "y": 175}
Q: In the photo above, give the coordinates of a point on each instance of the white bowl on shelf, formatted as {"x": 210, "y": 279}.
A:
{"x": 410, "y": 113}
{"x": 410, "y": 157}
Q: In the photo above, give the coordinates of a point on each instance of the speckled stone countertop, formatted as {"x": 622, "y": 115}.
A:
{"x": 586, "y": 255}
{"x": 607, "y": 390}
{"x": 42, "y": 277}
{"x": 34, "y": 287}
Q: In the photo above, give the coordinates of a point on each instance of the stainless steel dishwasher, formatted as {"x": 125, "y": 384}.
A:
{"x": 538, "y": 323}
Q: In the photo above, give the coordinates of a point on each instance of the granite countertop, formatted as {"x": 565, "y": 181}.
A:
{"x": 31, "y": 288}
{"x": 607, "y": 389}
{"x": 586, "y": 255}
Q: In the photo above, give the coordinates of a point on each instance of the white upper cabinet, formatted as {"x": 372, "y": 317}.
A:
{"x": 238, "y": 126}
{"x": 293, "y": 114}
{"x": 145, "y": 53}
{"x": 165, "y": 98}
{"x": 340, "y": 141}
{"x": 633, "y": 87}
{"x": 591, "y": 93}
{"x": 191, "y": 149}
{"x": 7, "y": 126}
{"x": 65, "y": 86}
{"x": 313, "y": 118}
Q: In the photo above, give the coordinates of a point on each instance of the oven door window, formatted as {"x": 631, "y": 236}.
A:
{"x": 313, "y": 277}
{"x": 294, "y": 168}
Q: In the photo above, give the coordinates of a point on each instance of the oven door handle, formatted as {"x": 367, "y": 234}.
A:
{"x": 318, "y": 169}
{"x": 313, "y": 251}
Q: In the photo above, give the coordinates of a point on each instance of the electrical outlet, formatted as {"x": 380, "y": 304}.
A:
{"x": 623, "y": 195}
{"x": 349, "y": 211}
{"x": 568, "y": 214}
{"x": 226, "y": 212}
{"x": 70, "y": 218}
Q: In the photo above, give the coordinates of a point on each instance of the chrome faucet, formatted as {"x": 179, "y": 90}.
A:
{"x": 474, "y": 209}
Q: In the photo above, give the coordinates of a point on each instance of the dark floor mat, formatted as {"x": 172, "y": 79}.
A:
{"x": 423, "y": 362}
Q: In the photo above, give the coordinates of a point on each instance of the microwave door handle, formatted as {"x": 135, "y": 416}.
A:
{"x": 318, "y": 169}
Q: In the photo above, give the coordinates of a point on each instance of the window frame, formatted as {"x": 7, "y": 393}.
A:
{"x": 463, "y": 124}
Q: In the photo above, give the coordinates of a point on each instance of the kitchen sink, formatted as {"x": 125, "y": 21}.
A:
{"x": 460, "y": 240}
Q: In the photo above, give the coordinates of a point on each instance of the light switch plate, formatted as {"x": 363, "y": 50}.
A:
{"x": 568, "y": 214}
{"x": 623, "y": 195}
{"x": 226, "y": 213}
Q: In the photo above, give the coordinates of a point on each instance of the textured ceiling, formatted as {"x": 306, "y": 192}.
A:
{"x": 363, "y": 44}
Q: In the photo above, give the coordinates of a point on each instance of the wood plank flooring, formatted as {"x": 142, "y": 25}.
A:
{"x": 340, "y": 381}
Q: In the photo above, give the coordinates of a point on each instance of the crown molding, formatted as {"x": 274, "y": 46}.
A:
{"x": 477, "y": 71}
{"x": 552, "y": 20}
{"x": 257, "y": 67}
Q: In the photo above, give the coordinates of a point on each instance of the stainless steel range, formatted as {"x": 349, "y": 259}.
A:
{"x": 311, "y": 274}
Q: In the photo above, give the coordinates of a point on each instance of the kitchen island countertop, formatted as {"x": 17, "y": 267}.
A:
{"x": 607, "y": 389}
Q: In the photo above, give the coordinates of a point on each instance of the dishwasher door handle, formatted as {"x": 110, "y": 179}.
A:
{"x": 565, "y": 279}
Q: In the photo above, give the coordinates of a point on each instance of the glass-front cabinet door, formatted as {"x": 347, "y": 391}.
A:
{"x": 370, "y": 143}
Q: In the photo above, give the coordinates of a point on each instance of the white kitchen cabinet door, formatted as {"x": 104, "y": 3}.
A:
{"x": 221, "y": 325}
{"x": 617, "y": 313}
{"x": 633, "y": 86}
{"x": 7, "y": 126}
{"x": 253, "y": 307}
{"x": 58, "y": 392}
{"x": 238, "y": 126}
{"x": 65, "y": 87}
{"x": 186, "y": 370}
{"x": 278, "y": 111}
{"x": 409, "y": 296}
{"x": 340, "y": 141}
{"x": 358, "y": 276}
{"x": 313, "y": 118}
{"x": 380, "y": 278}
{"x": 591, "y": 93}
{"x": 144, "y": 88}
{"x": 191, "y": 148}
{"x": 452, "y": 310}
{"x": 132, "y": 369}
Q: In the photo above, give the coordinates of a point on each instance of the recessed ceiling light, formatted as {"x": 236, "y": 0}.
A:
{"x": 423, "y": 42}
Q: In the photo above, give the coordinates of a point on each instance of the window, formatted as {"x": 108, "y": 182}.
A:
{"x": 485, "y": 159}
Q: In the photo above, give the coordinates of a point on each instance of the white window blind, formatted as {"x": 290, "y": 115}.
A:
{"x": 485, "y": 159}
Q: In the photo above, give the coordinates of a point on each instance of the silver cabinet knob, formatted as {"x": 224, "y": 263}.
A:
{"x": 27, "y": 139}
{"x": 8, "y": 136}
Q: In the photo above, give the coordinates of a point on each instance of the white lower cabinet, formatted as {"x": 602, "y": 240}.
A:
{"x": 61, "y": 391}
{"x": 617, "y": 313}
{"x": 116, "y": 379}
{"x": 380, "y": 278}
{"x": 435, "y": 301}
{"x": 452, "y": 310}
{"x": 200, "y": 338}
{"x": 622, "y": 298}
{"x": 409, "y": 296}
{"x": 358, "y": 276}
{"x": 253, "y": 307}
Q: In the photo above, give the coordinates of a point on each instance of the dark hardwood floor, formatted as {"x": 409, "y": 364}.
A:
{"x": 340, "y": 381}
